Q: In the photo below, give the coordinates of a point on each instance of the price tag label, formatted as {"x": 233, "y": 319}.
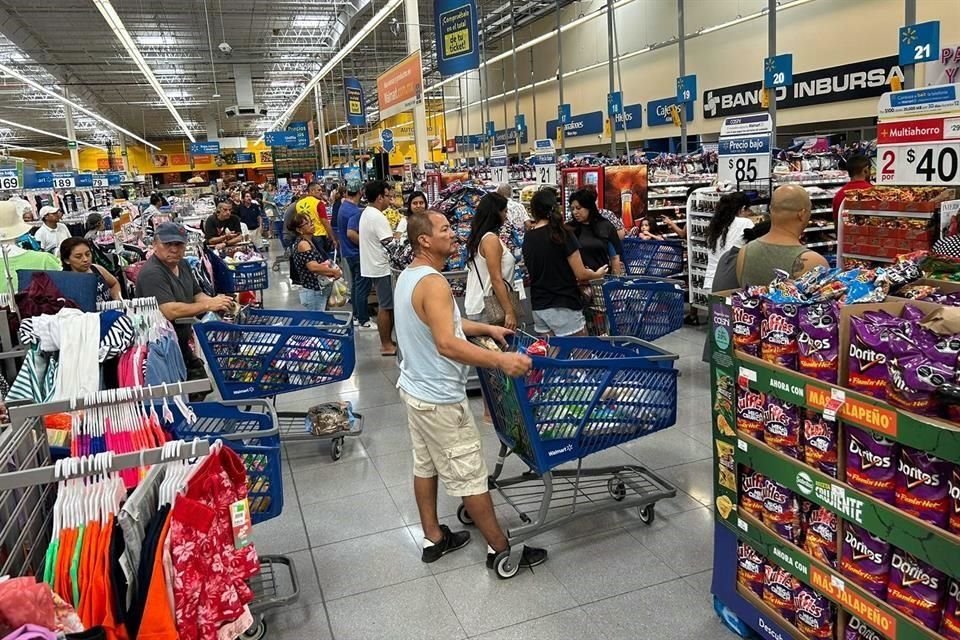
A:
{"x": 836, "y": 401}
{"x": 745, "y": 377}
{"x": 64, "y": 181}
{"x": 9, "y": 180}
{"x": 547, "y": 173}
{"x": 919, "y": 152}
{"x": 744, "y": 159}
{"x": 498, "y": 175}
{"x": 101, "y": 182}
{"x": 742, "y": 445}
{"x": 743, "y": 525}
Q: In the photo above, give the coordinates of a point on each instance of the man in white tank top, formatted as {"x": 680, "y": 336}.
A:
{"x": 433, "y": 376}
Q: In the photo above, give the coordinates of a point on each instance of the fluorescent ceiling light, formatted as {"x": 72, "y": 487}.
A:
{"x": 53, "y": 94}
{"x": 359, "y": 37}
{"x": 113, "y": 20}
{"x": 13, "y": 146}
{"x": 149, "y": 41}
{"x": 49, "y": 133}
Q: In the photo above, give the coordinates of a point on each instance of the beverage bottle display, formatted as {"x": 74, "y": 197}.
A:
{"x": 626, "y": 207}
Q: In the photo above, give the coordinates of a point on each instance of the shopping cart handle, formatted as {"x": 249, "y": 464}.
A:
{"x": 664, "y": 354}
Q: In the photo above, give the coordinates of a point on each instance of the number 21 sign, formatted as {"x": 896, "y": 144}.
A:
{"x": 920, "y": 42}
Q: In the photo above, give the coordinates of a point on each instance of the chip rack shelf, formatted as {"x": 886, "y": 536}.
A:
{"x": 732, "y": 371}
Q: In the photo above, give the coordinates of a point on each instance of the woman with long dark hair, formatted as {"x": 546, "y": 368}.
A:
{"x": 310, "y": 266}
{"x": 490, "y": 266}
{"x": 600, "y": 244}
{"x": 551, "y": 254}
{"x": 76, "y": 254}
{"x": 416, "y": 203}
{"x": 725, "y": 231}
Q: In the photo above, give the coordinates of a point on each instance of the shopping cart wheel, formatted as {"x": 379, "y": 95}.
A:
{"x": 258, "y": 630}
{"x": 618, "y": 490}
{"x": 336, "y": 448}
{"x": 647, "y": 514}
{"x": 505, "y": 568}
{"x": 463, "y": 516}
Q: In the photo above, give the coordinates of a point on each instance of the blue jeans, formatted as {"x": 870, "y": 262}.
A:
{"x": 315, "y": 299}
{"x": 359, "y": 291}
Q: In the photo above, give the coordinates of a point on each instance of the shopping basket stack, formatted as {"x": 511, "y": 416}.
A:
{"x": 640, "y": 307}
{"x": 267, "y": 352}
{"x": 657, "y": 258}
{"x": 585, "y": 395}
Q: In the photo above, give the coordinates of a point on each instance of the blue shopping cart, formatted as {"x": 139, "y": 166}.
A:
{"x": 657, "y": 258}
{"x": 268, "y": 352}
{"x": 586, "y": 395}
{"x": 640, "y": 307}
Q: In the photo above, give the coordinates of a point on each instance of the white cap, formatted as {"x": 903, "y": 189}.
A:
{"x": 46, "y": 210}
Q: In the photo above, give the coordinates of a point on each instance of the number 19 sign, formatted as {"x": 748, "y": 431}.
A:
{"x": 919, "y": 152}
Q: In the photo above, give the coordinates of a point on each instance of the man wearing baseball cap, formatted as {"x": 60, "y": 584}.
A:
{"x": 348, "y": 228}
{"x": 52, "y": 232}
{"x": 167, "y": 277}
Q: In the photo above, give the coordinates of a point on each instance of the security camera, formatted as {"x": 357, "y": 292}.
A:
{"x": 225, "y": 48}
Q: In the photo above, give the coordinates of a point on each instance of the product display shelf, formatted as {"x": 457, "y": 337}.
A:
{"x": 733, "y": 450}
{"x": 879, "y": 244}
{"x": 700, "y": 207}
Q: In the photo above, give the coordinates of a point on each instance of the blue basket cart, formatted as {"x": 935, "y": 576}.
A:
{"x": 255, "y": 437}
{"x": 268, "y": 352}
{"x": 639, "y": 307}
{"x": 586, "y": 395}
{"x": 657, "y": 258}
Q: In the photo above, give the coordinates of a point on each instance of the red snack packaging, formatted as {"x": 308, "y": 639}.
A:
{"x": 778, "y": 589}
{"x": 781, "y": 511}
{"x": 750, "y": 568}
{"x": 820, "y": 539}
{"x": 752, "y": 485}
{"x": 751, "y": 412}
{"x": 954, "y": 523}
{"x": 820, "y": 443}
{"x": 950, "y": 625}
{"x": 782, "y": 427}
{"x": 778, "y": 334}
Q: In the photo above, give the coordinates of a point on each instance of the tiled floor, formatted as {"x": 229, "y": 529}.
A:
{"x": 352, "y": 530}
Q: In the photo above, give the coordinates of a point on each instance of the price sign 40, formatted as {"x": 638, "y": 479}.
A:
{"x": 924, "y": 164}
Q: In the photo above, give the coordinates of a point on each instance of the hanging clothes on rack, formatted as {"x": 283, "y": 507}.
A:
{"x": 154, "y": 356}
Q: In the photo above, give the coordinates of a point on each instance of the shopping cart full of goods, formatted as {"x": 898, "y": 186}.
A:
{"x": 238, "y": 277}
{"x": 636, "y": 306}
{"x": 656, "y": 258}
{"x": 250, "y": 429}
{"x": 265, "y": 353}
{"x": 582, "y": 395}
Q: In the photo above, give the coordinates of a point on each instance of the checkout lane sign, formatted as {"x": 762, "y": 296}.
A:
{"x": 744, "y": 149}
{"x": 499, "y": 173}
{"x": 545, "y": 162}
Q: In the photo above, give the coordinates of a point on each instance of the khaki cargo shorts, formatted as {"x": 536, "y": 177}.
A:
{"x": 446, "y": 443}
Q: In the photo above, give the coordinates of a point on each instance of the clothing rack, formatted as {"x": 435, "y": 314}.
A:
{"x": 107, "y": 397}
{"x": 89, "y": 466}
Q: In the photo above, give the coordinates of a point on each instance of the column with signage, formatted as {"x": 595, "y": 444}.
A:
{"x": 744, "y": 151}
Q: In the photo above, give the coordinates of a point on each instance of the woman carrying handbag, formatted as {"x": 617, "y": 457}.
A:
{"x": 491, "y": 296}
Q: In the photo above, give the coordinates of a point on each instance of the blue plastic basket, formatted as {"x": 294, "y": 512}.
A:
{"x": 657, "y": 258}
{"x": 268, "y": 352}
{"x": 586, "y": 395}
{"x": 243, "y": 276}
{"x": 639, "y": 307}
{"x": 255, "y": 438}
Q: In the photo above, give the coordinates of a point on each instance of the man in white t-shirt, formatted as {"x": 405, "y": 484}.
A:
{"x": 52, "y": 232}
{"x": 374, "y": 261}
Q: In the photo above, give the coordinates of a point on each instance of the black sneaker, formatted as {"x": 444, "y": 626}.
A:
{"x": 531, "y": 557}
{"x": 450, "y": 542}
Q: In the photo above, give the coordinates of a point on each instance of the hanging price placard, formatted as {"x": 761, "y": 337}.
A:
{"x": 744, "y": 159}
{"x": 100, "y": 182}
{"x": 64, "y": 180}
{"x": 545, "y": 162}
{"x": 499, "y": 172}
{"x": 9, "y": 180}
{"x": 919, "y": 152}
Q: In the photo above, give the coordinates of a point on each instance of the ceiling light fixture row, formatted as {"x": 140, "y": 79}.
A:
{"x": 49, "y": 133}
{"x": 116, "y": 25}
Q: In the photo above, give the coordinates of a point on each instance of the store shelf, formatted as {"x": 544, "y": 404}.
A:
{"x": 700, "y": 214}
{"x": 827, "y": 243}
{"x": 859, "y": 256}
{"x": 810, "y": 183}
{"x": 679, "y": 206}
{"x": 889, "y": 214}
{"x": 822, "y": 210}
{"x": 653, "y": 196}
{"x": 827, "y": 227}
{"x": 679, "y": 183}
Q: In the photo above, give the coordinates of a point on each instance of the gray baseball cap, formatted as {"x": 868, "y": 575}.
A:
{"x": 170, "y": 232}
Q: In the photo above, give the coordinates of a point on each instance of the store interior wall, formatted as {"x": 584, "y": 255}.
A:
{"x": 819, "y": 34}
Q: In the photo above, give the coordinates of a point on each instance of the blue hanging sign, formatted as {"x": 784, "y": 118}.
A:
{"x": 658, "y": 111}
{"x": 386, "y": 140}
{"x": 353, "y": 96}
{"x": 244, "y": 158}
{"x": 920, "y": 42}
{"x": 41, "y": 180}
{"x": 563, "y": 113}
{"x": 84, "y": 180}
{"x": 686, "y": 88}
{"x": 303, "y": 135}
{"x": 778, "y": 71}
{"x": 614, "y": 103}
{"x": 114, "y": 179}
{"x": 630, "y": 118}
{"x": 491, "y": 130}
{"x": 458, "y": 44}
{"x": 280, "y": 138}
{"x": 584, "y": 124}
{"x": 211, "y": 148}
{"x": 520, "y": 121}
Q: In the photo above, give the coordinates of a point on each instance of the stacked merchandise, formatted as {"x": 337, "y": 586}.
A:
{"x": 881, "y": 223}
{"x": 838, "y": 454}
{"x": 697, "y": 168}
